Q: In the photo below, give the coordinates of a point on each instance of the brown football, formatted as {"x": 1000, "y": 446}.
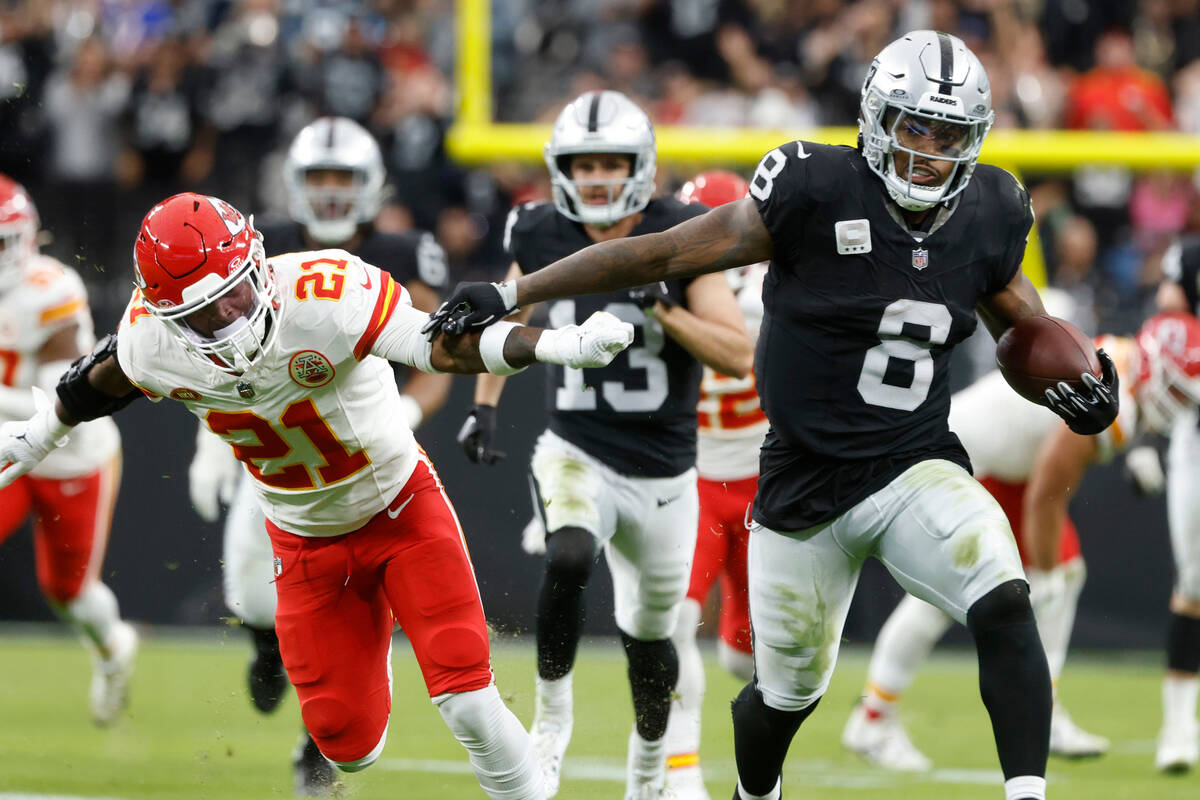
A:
{"x": 1038, "y": 352}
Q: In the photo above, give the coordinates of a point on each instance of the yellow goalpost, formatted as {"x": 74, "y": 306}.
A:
{"x": 475, "y": 138}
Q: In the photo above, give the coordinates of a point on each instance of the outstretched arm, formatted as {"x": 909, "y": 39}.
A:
{"x": 1017, "y": 300}
{"x": 731, "y": 235}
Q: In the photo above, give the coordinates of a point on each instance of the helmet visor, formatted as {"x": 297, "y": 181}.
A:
{"x": 935, "y": 138}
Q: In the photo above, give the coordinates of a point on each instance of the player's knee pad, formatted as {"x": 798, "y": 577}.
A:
{"x": 1005, "y": 606}
{"x": 347, "y": 736}
{"x": 570, "y": 554}
{"x": 737, "y": 663}
{"x": 459, "y": 646}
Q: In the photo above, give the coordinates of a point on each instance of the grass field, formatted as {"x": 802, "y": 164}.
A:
{"x": 191, "y": 732}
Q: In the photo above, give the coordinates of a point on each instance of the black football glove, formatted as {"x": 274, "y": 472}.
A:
{"x": 645, "y": 297}
{"x": 475, "y": 436}
{"x": 473, "y": 306}
{"x": 1089, "y": 413}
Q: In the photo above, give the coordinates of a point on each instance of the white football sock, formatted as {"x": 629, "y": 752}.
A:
{"x": 738, "y": 664}
{"x": 903, "y": 644}
{"x": 774, "y": 794}
{"x": 683, "y": 726}
{"x": 1179, "y": 697}
{"x": 93, "y": 614}
{"x": 1025, "y": 787}
{"x": 555, "y": 695}
{"x": 496, "y": 743}
{"x": 1056, "y": 615}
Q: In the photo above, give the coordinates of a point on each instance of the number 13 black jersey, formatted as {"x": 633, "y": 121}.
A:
{"x": 859, "y": 320}
{"x": 638, "y": 414}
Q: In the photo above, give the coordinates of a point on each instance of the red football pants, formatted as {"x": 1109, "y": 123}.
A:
{"x": 1011, "y": 497}
{"x": 721, "y": 552}
{"x": 338, "y": 597}
{"x": 72, "y": 518}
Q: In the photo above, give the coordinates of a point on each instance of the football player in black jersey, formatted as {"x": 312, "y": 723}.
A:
{"x": 335, "y": 177}
{"x": 617, "y": 466}
{"x": 1179, "y": 739}
{"x": 881, "y": 257}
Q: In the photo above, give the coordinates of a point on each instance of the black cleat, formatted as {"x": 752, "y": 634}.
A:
{"x": 314, "y": 775}
{"x": 267, "y": 679}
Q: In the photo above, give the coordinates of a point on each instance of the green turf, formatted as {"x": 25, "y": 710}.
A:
{"x": 191, "y": 732}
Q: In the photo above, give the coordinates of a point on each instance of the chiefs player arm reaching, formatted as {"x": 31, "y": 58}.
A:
{"x": 95, "y": 386}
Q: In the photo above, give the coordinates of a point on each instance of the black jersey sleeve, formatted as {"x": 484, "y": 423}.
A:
{"x": 521, "y": 237}
{"x": 1018, "y": 214}
{"x": 788, "y": 183}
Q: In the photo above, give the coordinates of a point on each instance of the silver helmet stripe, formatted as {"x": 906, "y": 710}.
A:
{"x": 947, "y": 53}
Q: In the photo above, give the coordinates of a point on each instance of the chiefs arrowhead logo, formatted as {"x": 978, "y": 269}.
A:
{"x": 310, "y": 369}
{"x": 233, "y": 219}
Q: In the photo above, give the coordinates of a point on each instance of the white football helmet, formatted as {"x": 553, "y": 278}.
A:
{"x": 928, "y": 84}
{"x": 602, "y": 122}
{"x": 332, "y": 215}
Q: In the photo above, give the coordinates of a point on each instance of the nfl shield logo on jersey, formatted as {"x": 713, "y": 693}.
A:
{"x": 278, "y": 566}
{"x": 920, "y": 258}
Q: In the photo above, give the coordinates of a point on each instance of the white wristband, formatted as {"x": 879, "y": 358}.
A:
{"x": 491, "y": 348}
{"x": 508, "y": 293}
{"x": 410, "y": 410}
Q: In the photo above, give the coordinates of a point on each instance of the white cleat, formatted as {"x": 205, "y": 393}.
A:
{"x": 650, "y": 788}
{"x": 686, "y": 780}
{"x": 550, "y": 734}
{"x": 1068, "y": 740}
{"x": 883, "y": 742}
{"x": 1178, "y": 747}
{"x": 110, "y": 676}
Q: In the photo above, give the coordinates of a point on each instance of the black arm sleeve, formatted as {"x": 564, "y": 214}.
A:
{"x": 82, "y": 400}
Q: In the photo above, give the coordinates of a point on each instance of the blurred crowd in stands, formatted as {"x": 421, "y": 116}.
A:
{"x": 107, "y": 106}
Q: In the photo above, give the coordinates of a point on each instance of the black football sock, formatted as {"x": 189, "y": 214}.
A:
{"x": 761, "y": 737}
{"x": 570, "y": 554}
{"x": 653, "y": 670}
{"x": 1183, "y": 644}
{"x": 1014, "y": 679}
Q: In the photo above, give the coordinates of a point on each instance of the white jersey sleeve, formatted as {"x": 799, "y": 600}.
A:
{"x": 314, "y": 419}
{"x": 48, "y": 299}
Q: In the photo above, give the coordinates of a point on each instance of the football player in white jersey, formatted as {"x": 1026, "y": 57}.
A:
{"x": 730, "y": 434}
{"x": 1031, "y": 463}
{"x": 335, "y": 177}
{"x": 287, "y": 361}
{"x": 45, "y": 324}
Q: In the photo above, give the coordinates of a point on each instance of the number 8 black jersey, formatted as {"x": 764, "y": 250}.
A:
{"x": 638, "y": 414}
{"x": 859, "y": 320}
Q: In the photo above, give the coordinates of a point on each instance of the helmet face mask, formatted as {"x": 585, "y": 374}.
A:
{"x": 602, "y": 123}
{"x": 198, "y": 259}
{"x": 18, "y": 230}
{"x": 927, "y": 99}
{"x": 331, "y": 207}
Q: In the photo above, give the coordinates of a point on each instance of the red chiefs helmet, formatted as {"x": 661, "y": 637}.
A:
{"x": 193, "y": 250}
{"x": 18, "y": 228}
{"x": 1169, "y": 381}
{"x": 714, "y": 188}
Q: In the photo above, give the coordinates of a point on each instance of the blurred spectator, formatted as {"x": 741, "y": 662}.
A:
{"x": 83, "y": 105}
{"x": 1117, "y": 94}
{"x": 689, "y": 31}
{"x": 26, "y": 48}
{"x": 346, "y": 78}
{"x": 1076, "y": 251}
{"x": 250, "y": 84}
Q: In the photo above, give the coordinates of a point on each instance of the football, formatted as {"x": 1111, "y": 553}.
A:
{"x": 1038, "y": 352}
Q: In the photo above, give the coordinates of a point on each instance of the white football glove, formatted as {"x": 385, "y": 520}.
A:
{"x": 24, "y": 444}
{"x": 212, "y": 475}
{"x": 595, "y": 343}
{"x": 1143, "y": 465}
{"x": 533, "y": 537}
